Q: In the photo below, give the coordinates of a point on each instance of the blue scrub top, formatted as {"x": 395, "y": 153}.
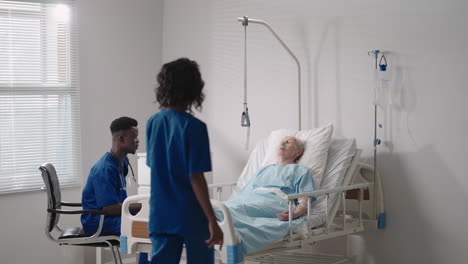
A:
{"x": 105, "y": 186}
{"x": 177, "y": 145}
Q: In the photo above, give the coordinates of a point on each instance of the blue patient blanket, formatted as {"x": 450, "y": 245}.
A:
{"x": 254, "y": 209}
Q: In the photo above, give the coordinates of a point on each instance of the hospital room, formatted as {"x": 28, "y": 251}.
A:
{"x": 230, "y": 132}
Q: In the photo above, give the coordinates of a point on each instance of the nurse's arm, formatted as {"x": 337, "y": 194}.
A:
{"x": 200, "y": 188}
{"x": 116, "y": 209}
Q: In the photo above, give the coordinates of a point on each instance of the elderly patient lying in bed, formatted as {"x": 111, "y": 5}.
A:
{"x": 260, "y": 211}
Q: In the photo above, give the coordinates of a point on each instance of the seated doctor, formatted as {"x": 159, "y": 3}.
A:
{"x": 260, "y": 212}
{"x": 105, "y": 187}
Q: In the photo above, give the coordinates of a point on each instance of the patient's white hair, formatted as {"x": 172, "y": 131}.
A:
{"x": 299, "y": 144}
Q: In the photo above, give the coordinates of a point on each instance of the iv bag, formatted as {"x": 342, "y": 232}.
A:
{"x": 382, "y": 89}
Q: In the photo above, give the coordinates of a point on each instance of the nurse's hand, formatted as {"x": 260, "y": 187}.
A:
{"x": 216, "y": 235}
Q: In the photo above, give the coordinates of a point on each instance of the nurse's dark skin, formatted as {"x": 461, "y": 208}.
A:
{"x": 200, "y": 188}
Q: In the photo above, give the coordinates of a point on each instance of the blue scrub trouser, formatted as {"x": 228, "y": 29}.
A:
{"x": 167, "y": 249}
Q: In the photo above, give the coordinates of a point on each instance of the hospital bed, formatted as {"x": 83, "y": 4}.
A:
{"x": 349, "y": 200}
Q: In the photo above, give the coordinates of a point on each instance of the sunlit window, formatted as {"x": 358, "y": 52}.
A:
{"x": 39, "y": 94}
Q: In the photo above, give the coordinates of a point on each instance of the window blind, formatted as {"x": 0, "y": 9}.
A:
{"x": 39, "y": 93}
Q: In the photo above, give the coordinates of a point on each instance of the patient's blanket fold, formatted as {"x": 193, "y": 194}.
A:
{"x": 254, "y": 209}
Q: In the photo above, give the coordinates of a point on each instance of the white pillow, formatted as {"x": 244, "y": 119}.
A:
{"x": 316, "y": 144}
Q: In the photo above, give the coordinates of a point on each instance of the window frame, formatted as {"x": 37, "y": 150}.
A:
{"x": 69, "y": 88}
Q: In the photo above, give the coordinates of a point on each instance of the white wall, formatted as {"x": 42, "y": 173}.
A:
{"x": 22, "y": 230}
{"x": 423, "y": 158}
{"x": 120, "y": 52}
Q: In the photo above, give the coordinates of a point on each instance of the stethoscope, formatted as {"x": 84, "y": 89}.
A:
{"x": 123, "y": 183}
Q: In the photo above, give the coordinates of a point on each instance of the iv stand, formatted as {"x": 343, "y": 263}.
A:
{"x": 376, "y": 141}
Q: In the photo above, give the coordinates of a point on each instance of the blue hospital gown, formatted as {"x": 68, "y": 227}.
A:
{"x": 254, "y": 209}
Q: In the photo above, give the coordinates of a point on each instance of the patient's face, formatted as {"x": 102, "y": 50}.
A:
{"x": 288, "y": 149}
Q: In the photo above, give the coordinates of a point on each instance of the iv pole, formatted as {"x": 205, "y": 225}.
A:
{"x": 245, "y": 21}
{"x": 376, "y": 141}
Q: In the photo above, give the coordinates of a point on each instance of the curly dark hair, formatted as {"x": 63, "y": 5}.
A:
{"x": 180, "y": 85}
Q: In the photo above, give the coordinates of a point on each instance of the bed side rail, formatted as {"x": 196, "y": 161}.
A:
{"x": 231, "y": 251}
{"x": 134, "y": 228}
{"x": 366, "y": 174}
{"x": 218, "y": 188}
{"x": 328, "y": 191}
{"x": 360, "y": 188}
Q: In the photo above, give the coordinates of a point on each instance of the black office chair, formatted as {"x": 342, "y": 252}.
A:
{"x": 72, "y": 236}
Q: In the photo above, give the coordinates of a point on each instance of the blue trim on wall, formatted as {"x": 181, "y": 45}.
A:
{"x": 382, "y": 220}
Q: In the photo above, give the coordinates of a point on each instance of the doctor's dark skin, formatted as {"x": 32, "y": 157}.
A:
{"x": 123, "y": 143}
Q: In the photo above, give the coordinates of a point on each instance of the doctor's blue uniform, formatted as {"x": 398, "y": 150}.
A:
{"x": 105, "y": 186}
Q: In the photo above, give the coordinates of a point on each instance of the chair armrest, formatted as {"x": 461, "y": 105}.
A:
{"x": 328, "y": 191}
{"x": 57, "y": 211}
{"x": 221, "y": 185}
{"x": 71, "y": 204}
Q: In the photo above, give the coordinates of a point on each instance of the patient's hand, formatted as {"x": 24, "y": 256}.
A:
{"x": 284, "y": 216}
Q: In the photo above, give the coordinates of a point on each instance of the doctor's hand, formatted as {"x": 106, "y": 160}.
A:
{"x": 216, "y": 235}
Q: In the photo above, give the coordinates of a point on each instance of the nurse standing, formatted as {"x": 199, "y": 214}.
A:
{"x": 178, "y": 153}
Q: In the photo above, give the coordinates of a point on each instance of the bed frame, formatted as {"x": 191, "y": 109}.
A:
{"x": 358, "y": 208}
